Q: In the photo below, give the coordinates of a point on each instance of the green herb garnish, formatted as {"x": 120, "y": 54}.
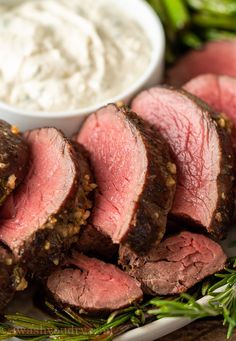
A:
{"x": 190, "y": 23}
{"x": 69, "y": 325}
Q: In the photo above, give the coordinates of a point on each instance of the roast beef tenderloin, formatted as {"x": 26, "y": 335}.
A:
{"x": 92, "y": 286}
{"x": 91, "y": 241}
{"x": 175, "y": 265}
{"x": 14, "y": 156}
{"x": 11, "y": 277}
{"x": 202, "y": 151}
{"x": 6, "y": 282}
{"x": 134, "y": 174}
{"x": 44, "y": 215}
{"x": 219, "y": 92}
{"x": 218, "y": 57}
{"x": 95, "y": 243}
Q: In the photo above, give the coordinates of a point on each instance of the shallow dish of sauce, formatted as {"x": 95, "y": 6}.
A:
{"x": 61, "y": 55}
{"x": 61, "y": 60}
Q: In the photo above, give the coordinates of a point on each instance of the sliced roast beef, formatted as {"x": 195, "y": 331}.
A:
{"x": 44, "y": 215}
{"x": 219, "y": 92}
{"x": 218, "y": 57}
{"x": 6, "y": 281}
{"x": 95, "y": 243}
{"x": 175, "y": 265}
{"x": 92, "y": 286}
{"x": 134, "y": 173}
{"x": 91, "y": 241}
{"x": 12, "y": 277}
{"x": 203, "y": 153}
{"x": 14, "y": 156}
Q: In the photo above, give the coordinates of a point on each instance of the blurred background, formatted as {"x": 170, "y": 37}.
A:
{"x": 190, "y": 23}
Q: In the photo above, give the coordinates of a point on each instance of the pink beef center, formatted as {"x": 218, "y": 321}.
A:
{"x": 215, "y": 57}
{"x": 95, "y": 285}
{"x": 181, "y": 261}
{"x": 42, "y": 192}
{"x": 219, "y": 92}
{"x": 195, "y": 145}
{"x": 119, "y": 161}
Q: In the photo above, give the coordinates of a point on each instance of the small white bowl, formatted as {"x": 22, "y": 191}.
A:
{"x": 69, "y": 121}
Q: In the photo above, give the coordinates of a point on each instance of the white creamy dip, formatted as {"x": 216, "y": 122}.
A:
{"x": 58, "y": 55}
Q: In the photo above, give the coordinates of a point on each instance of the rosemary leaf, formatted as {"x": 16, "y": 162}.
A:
{"x": 68, "y": 325}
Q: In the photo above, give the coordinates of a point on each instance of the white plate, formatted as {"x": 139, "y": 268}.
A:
{"x": 149, "y": 332}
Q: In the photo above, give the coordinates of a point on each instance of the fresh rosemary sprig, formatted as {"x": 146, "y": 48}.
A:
{"x": 70, "y": 326}
{"x": 188, "y": 307}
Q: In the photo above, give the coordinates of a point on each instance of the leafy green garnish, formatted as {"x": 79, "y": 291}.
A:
{"x": 69, "y": 325}
{"x": 190, "y": 23}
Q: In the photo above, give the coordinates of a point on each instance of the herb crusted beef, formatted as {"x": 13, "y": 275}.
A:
{"x": 134, "y": 174}
{"x": 175, "y": 265}
{"x": 95, "y": 243}
{"x": 92, "y": 286}
{"x": 219, "y": 92}
{"x": 200, "y": 141}
{"x": 14, "y": 156}
{"x": 12, "y": 276}
{"x": 44, "y": 215}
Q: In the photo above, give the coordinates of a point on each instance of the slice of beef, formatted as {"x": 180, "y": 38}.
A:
{"x": 134, "y": 174}
{"x": 94, "y": 243}
{"x": 175, "y": 265}
{"x": 6, "y": 282}
{"x": 219, "y": 92}
{"x": 11, "y": 277}
{"x": 14, "y": 156}
{"x": 49, "y": 207}
{"x": 91, "y": 241}
{"x": 92, "y": 286}
{"x": 218, "y": 57}
{"x": 203, "y": 153}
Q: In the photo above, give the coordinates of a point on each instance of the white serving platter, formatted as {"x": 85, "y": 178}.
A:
{"x": 149, "y": 332}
